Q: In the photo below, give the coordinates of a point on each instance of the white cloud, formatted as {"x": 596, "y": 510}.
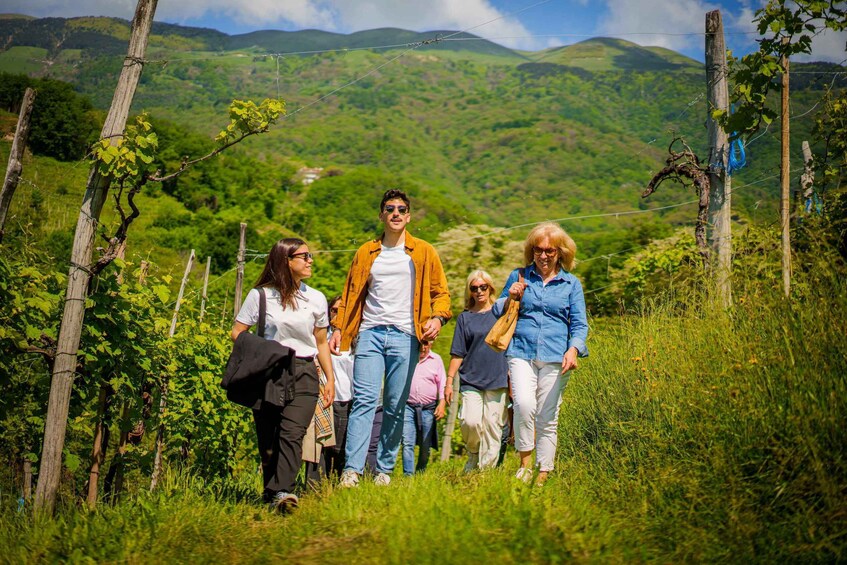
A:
{"x": 434, "y": 15}
{"x": 331, "y": 15}
{"x": 662, "y": 23}
{"x": 827, "y": 46}
{"x": 71, "y": 8}
{"x": 266, "y": 14}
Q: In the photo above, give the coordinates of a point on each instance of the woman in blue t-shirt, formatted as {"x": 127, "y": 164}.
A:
{"x": 482, "y": 373}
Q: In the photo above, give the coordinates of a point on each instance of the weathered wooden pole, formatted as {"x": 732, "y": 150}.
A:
{"x": 239, "y": 273}
{"x": 807, "y": 179}
{"x": 185, "y": 275}
{"x": 446, "y": 443}
{"x": 142, "y": 272}
{"x": 98, "y": 450}
{"x": 719, "y": 228}
{"x": 16, "y": 156}
{"x": 67, "y": 347}
{"x": 785, "y": 171}
{"x": 27, "y": 493}
{"x": 163, "y": 399}
{"x": 205, "y": 287}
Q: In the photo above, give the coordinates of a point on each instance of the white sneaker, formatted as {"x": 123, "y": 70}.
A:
{"x": 349, "y": 479}
{"x": 473, "y": 462}
{"x": 382, "y": 480}
{"x": 285, "y": 501}
{"x": 524, "y": 474}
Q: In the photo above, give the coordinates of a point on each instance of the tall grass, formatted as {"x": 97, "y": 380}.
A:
{"x": 690, "y": 434}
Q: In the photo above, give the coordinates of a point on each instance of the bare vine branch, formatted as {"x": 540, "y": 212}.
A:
{"x": 684, "y": 167}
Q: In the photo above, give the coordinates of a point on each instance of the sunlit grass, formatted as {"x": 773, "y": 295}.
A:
{"x": 690, "y": 434}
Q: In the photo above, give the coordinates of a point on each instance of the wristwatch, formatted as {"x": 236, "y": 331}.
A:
{"x": 441, "y": 319}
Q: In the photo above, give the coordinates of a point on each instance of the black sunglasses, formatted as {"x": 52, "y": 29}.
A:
{"x": 482, "y": 287}
{"x": 401, "y": 209}
{"x": 304, "y": 256}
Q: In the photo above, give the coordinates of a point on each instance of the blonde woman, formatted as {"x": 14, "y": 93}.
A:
{"x": 482, "y": 374}
{"x": 551, "y": 332}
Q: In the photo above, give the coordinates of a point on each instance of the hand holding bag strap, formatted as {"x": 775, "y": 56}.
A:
{"x": 501, "y": 333}
{"x": 263, "y": 312}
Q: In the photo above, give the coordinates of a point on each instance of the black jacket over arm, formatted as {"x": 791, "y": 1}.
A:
{"x": 259, "y": 370}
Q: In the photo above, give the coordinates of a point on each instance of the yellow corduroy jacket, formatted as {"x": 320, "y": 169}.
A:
{"x": 431, "y": 297}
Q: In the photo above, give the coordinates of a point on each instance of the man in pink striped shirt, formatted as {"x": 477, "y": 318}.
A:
{"x": 425, "y": 405}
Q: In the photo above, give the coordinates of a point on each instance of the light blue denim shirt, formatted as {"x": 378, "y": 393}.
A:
{"x": 552, "y": 317}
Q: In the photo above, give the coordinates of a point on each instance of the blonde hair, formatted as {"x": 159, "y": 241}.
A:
{"x": 565, "y": 245}
{"x": 478, "y": 274}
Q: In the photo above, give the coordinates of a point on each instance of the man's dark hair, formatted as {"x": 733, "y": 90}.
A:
{"x": 393, "y": 194}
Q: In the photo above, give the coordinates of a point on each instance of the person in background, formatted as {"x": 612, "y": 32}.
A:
{"x": 482, "y": 374}
{"x": 551, "y": 332}
{"x": 342, "y": 366}
{"x": 394, "y": 299}
{"x": 426, "y": 404}
{"x": 296, "y": 318}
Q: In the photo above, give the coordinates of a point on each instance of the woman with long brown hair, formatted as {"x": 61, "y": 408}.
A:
{"x": 296, "y": 317}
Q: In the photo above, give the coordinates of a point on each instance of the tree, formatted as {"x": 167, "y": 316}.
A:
{"x": 64, "y": 123}
{"x": 121, "y": 157}
{"x": 787, "y": 28}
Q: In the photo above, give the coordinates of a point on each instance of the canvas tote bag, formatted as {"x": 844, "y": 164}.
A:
{"x": 501, "y": 333}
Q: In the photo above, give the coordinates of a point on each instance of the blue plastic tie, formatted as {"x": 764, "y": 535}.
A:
{"x": 737, "y": 156}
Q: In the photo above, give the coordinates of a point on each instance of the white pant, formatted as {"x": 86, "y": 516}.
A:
{"x": 483, "y": 416}
{"x": 536, "y": 396}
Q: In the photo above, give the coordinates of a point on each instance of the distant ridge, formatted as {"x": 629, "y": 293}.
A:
{"x": 104, "y": 35}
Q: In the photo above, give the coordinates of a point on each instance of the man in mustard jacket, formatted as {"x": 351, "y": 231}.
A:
{"x": 395, "y": 298}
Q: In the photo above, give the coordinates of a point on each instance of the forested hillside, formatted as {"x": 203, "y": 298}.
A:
{"x": 478, "y": 134}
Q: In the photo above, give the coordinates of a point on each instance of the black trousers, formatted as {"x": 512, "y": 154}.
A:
{"x": 280, "y": 431}
{"x": 334, "y": 456}
{"x": 370, "y": 460}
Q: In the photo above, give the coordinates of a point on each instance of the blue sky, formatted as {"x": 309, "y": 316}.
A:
{"x": 523, "y": 24}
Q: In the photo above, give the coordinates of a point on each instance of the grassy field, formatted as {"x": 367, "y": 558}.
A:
{"x": 690, "y": 434}
{"x": 22, "y": 59}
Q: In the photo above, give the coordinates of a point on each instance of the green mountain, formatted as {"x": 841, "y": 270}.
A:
{"x": 608, "y": 54}
{"x": 99, "y": 36}
{"x": 483, "y": 137}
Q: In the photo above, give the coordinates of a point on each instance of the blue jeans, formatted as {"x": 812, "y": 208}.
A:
{"x": 383, "y": 354}
{"x": 411, "y": 438}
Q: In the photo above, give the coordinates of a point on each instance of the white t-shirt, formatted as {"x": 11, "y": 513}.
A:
{"x": 342, "y": 366}
{"x": 292, "y": 327}
{"x": 391, "y": 285}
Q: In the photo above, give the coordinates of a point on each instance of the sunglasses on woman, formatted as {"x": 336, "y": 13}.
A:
{"x": 400, "y": 209}
{"x": 482, "y": 288}
{"x": 548, "y": 251}
{"x": 304, "y": 256}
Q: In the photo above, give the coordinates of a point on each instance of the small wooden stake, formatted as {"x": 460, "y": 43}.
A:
{"x": 239, "y": 273}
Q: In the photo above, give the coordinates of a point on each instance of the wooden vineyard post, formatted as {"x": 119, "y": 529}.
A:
{"x": 185, "y": 275}
{"x": 785, "y": 193}
{"x": 142, "y": 274}
{"x": 98, "y": 451}
{"x": 205, "y": 287}
{"x": 163, "y": 400}
{"x": 446, "y": 443}
{"x": 807, "y": 179}
{"x": 97, "y": 188}
{"x": 720, "y": 214}
{"x": 27, "y": 491}
{"x": 239, "y": 273}
{"x": 16, "y": 155}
